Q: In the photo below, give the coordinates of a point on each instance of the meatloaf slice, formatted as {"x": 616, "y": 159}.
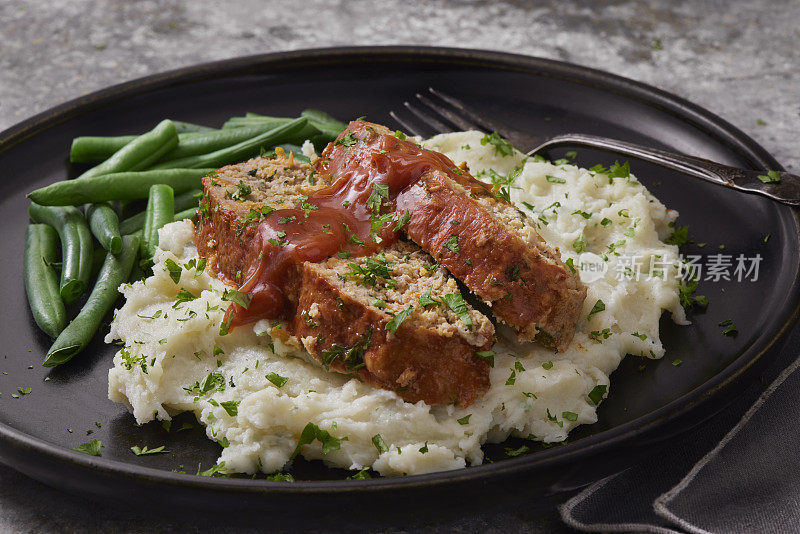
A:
{"x": 397, "y": 320}
{"x": 483, "y": 240}
{"x": 226, "y": 222}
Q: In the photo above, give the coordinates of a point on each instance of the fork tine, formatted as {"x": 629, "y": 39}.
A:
{"x": 407, "y": 126}
{"x": 427, "y": 119}
{"x": 485, "y": 124}
{"x": 459, "y": 121}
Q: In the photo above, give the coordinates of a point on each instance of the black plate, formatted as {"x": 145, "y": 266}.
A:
{"x": 544, "y": 96}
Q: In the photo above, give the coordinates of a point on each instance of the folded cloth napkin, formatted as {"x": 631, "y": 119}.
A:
{"x": 725, "y": 476}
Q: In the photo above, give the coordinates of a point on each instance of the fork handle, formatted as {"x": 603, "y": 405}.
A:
{"x": 787, "y": 191}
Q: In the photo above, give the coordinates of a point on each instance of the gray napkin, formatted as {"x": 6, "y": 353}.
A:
{"x": 738, "y": 472}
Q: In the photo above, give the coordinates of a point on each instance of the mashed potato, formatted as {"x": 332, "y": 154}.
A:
{"x": 255, "y": 394}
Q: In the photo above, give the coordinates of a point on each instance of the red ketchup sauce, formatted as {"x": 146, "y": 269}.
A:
{"x": 336, "y": 218}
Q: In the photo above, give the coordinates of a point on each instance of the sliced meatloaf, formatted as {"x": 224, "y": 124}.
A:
{"x": 397, "y": 320}
{"x": 484, "y": 241}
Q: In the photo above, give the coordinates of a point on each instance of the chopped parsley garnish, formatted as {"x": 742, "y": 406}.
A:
{"x": 375, "y": 268}
{"x": 597, "y": 394}
{"x": 512, "y": 453}
{"x": 487, "y": 356}
{"x": 605, "y": 333}
{"x": 280, "y": 477}
{"x": 464, "y": 420}
{"x": 400, "y": 135}
{"x": 174, "y": 270}
{"x": 501, "y": 184}
{"x": 214, "y": 470}
{"x": 402, "y": 220}
{"x": 312, "y": 432}
{"x": 619, "y": 171}
{"x": 198, "y": 264}
{"x": 729, "y": 329}
{"x": 256, "y": 215}
{"x": 512, "y": 272}
{"x": 676, "y": 363}
{"x": 92, "y": 448}
{"x": 361, "y": 475}
{"x": 547, "y": 366}
{"x": 347, "y": 141}
{"x": 184, "y": 295}
{"x": 145, "y": 451}
{"x": 512, "y": 378}
{"x": 232, "y": 407}
{"x": 277, "y": 379}
{"x": 579, "y": 245}
{"x": 353, "y": 357}
{"x": 501, "y": 146}
{"x": 597, "y": 308}
{"x": 686, "y": 294}
{"x": 242, "y": 190}
{"x": 424, "y": 448}
{"x": 772, "y": 177}
{"x": 553, "y": 418}
{"x": 569, "y": 416}
{"x": 379, "y": 192}
{"x": 679, "y": 236}
{"x": 398, "y": 319}
{"x": 213, "y": 381}
{"x": 377, "y": 440}
{"x": 452, "y": 244}
{"x": 242, "y": 299}
{"x": 582, "y": 214}
{"x": 640, "y": 336}
{"x": 571, "y": 264}
{"x": 344, "y": 254}
{"x": 555, "y": 179}
{"x": 605, "y": 222}
{"x": 456, "y": 303}
{"x": 426, "y": 300}
{"x": 308, "y": 208}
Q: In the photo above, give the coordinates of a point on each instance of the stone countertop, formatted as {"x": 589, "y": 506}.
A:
{"x": 739, "y": 59}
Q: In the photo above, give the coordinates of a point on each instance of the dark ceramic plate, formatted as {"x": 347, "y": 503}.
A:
{"x": 546, "y": 97}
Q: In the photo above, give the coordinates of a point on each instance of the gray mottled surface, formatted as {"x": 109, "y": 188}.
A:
{"x": 739, "y": 59}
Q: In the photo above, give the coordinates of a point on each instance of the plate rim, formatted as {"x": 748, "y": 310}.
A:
{"x": 688, "y": 112}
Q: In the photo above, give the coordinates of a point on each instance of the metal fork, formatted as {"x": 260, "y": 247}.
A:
{"x": 440, "y": 112}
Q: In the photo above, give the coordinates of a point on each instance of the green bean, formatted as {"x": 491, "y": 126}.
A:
{"x": 329, "y": 126}
{"x": 160, "y": 211}
{"x": 139, "y": 153}
{"x": 190, "y": 127}
{"x": 104, "y": 223}
{"x": 41, "y": 280}
{"x": 118, "y": 186}
{"x": 297, "y": 128}
{"x": 195, "y": 144}
{"x": 187, "y": 200}
{"x": 76, "y": 247}
{"x": 190, "y": 213}
{"x": 254, "y": 120}
{"x": 114, "y": 272}
{"x": 88, "y": 149}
